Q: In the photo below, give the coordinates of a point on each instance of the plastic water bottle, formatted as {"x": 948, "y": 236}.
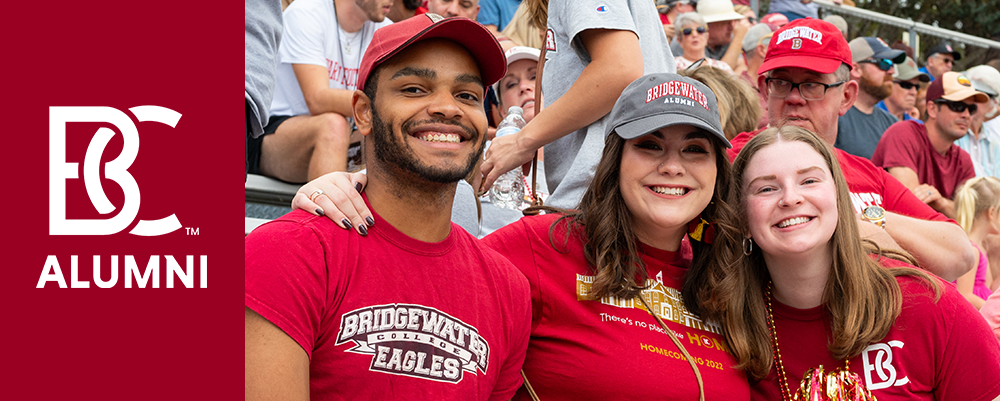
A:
{"x": 508, "y": 190}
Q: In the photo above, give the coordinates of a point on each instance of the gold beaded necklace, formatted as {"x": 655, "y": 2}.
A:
{"x": 839, "y": 384}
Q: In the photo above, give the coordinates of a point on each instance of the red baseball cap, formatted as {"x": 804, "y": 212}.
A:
{"x": 392, "y": 39}
{"x": 775, "y": 19}
{"x": 807, "y": 43}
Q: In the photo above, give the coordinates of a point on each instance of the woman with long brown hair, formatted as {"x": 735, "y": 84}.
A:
{"x": 597, "y": 272}
{"x": 797, "y": 290}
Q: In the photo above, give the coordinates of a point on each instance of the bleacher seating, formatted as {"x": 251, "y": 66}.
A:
{"x": 265, "y": 199}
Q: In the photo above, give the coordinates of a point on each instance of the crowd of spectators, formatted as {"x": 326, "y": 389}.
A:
{"x": 916, "y": 144}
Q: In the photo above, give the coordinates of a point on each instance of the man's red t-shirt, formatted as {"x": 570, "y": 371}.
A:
{"x": 388, "y": 316}
{"x": 905, "y": 144}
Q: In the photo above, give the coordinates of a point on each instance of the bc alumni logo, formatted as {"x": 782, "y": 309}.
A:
{"x": 877, "y": 358}
{"x": 115, "y": 170}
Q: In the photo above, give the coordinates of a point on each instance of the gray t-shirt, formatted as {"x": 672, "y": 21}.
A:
{"x": 858, "y": 133}
{"x": 570, "y": 161}
{"x": 464, "y": 213}
{"x": 261, "y": 34}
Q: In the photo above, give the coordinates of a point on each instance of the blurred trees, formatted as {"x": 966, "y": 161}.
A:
{"x": 976, "y": 18}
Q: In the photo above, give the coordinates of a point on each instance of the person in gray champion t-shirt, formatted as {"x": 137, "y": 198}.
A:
{"x": 593, "y": 50}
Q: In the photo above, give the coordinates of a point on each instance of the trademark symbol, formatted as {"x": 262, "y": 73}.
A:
{"x": 192, "y": 230}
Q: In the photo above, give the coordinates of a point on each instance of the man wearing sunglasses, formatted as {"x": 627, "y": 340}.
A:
{"x": 906, "y": 84}
{"x": 940, "y": 59}
{"x": 805, "y": 78}
{"x": 924, "y": 157}
{"x": 860, "y": 129}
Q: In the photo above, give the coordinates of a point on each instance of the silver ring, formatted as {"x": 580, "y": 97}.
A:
{"x": 928, "y": 193}
{"x": 316, "y": 194}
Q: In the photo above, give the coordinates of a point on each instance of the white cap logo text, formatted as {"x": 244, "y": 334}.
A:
{"x": 803, "y": 32}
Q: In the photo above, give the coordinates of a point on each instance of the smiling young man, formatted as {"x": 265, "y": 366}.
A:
{"x": 419, "y": 309}
{"x": 814, "y": 53}
{"x": 924, "y": 157}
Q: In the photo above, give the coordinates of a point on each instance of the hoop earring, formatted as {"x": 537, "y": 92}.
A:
{"x": 747, "y": 250}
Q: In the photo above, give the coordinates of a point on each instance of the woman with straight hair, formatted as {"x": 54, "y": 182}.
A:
{"x": 797, "y": 290}
{"x": 598, "y": 272}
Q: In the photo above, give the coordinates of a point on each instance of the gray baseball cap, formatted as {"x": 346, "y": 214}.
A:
{"x": 907, "y": 70}
{"x": 838, "y": 22}
{"x": 872, "y": 47}
{"x": 663, "y": 100}
{"x": 755, "y": 35}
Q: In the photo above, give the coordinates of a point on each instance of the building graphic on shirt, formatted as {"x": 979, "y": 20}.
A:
{"x": 416, "y": 341}
{"x": 666, "y": 302}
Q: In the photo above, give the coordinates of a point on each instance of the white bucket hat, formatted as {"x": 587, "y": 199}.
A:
{"x": 717, "y": 10}
{"x": 517, "y": 53}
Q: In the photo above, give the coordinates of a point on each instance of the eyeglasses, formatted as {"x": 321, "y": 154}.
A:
{"x": 687, "y": 31}
{"x": 958, "y": 107}
{"x": 808, "y": 90}
{"x": 752, "y": 20}
{"x": 906, "y": 85}
{"x": 882, "y": 64}
{"x": 945, "y": 59}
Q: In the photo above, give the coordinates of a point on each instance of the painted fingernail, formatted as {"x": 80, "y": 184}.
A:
{"x": 346, "y": 223}
{"x": 320, "y": 211}
{"x": 370, "y": 220}
{"x": 358, "y": 187}
{"x": 364, "y": 230}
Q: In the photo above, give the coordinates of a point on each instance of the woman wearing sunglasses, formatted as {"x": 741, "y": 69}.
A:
{"x": 692, "y": 34}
